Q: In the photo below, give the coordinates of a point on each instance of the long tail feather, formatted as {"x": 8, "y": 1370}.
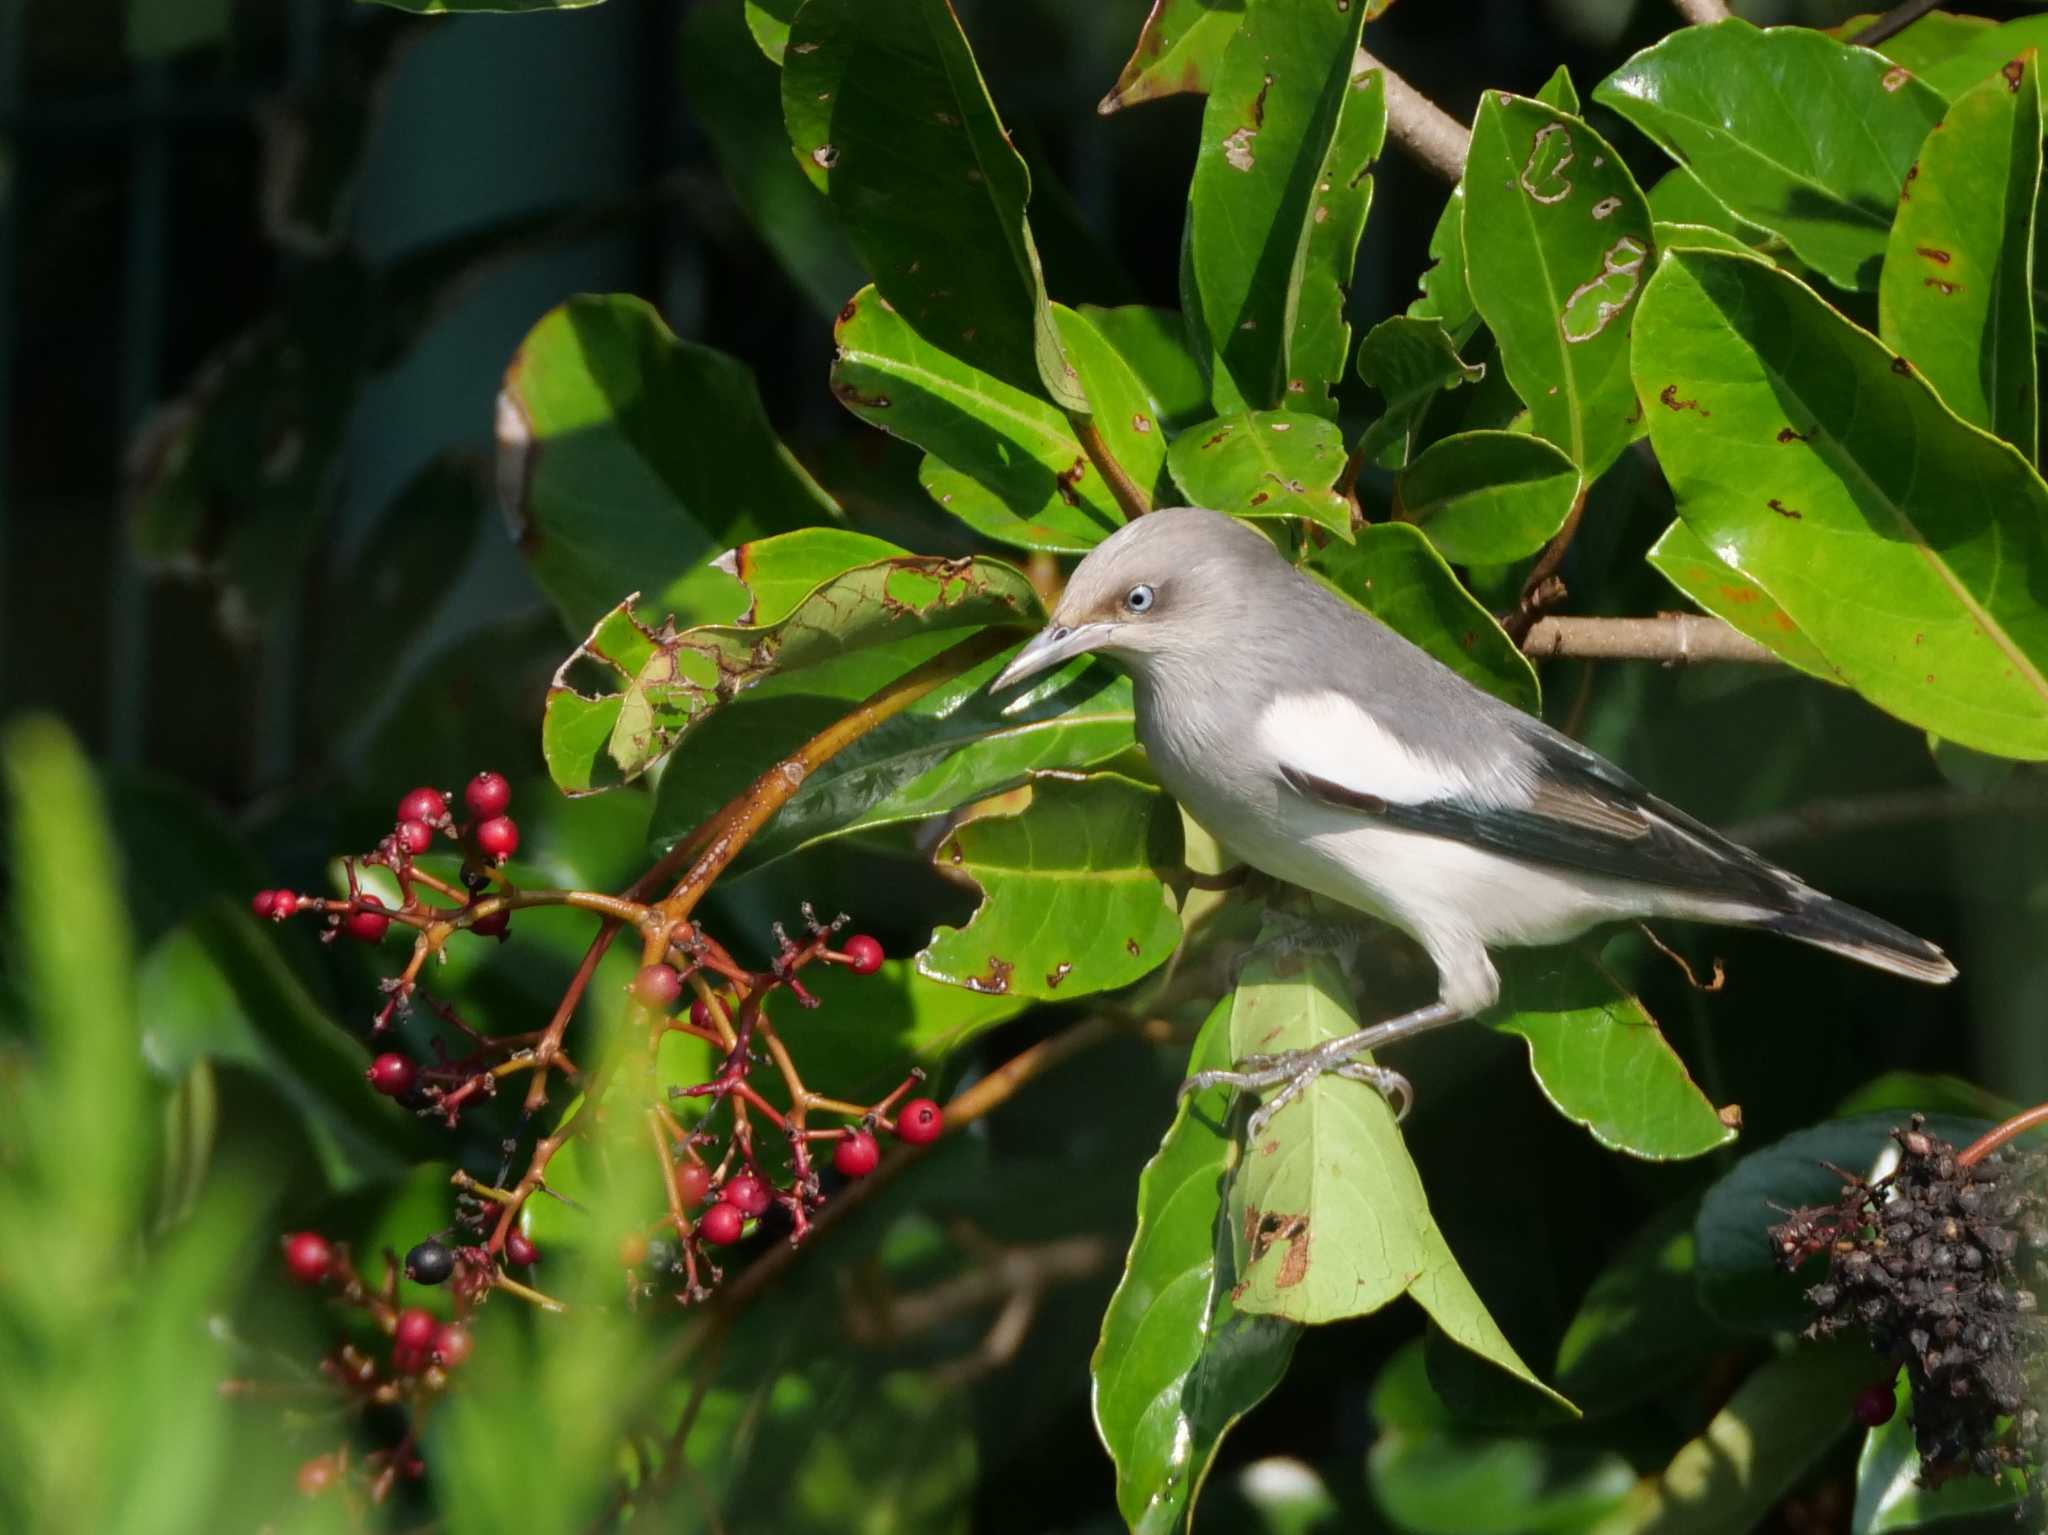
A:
{"x": 1844, "y": 929}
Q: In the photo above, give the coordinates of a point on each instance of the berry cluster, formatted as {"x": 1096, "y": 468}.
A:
{"x": 1940, "y": 1263}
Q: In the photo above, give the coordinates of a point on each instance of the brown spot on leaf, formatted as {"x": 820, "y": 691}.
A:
{"x": 1934, "y": 253}
{"x": 825, "y": 156}
{"x": 1058, "y": 973}
{"x": 1067, "y": 479}
{"x": 1668, "y": 398}
{"x": 1782, "y": 509}
{"x": 1140, "y": 425}
{"x": 1264, "y": 1229}
{"x": 1787, "y": 434}
{"x": 1912, "y": 174}
{"x": 1260, "y": 498}
{"x": 1132, "y": 945}
{"x": 2014, "y": 70}
{"x": 1211, "y": 442}
{"x": 846, "y": 315}
{"x": 1945, "y": 289}
{"x": 1259, "y": 104}
{"x": 1901, "y": 367}
{"x": 1739, "y": 594}
{"x": 851, "y": 395}
{"x": 997, "y": 981}
{"x": 1730, "y": 1115}
{"x": 1895, "y": 79}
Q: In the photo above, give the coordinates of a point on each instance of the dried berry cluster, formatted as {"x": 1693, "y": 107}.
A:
{"x": 1941, "y": 1263}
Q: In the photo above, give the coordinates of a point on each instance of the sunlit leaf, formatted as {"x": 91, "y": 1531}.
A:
{"x": 1154, "y": 344}
{"x": 1683, "y": 559}
{"x": 1889, "y": 1492}
{"x": 1269, "y": 463}
{"x": 1486, "y": 498}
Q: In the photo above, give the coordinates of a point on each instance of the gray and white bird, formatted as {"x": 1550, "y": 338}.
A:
{"x": 1319, "y": 746}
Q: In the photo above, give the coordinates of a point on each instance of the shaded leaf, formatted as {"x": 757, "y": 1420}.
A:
{"x": 888, "y": 113}
{"x": 1177, "y": 1363}
{"x": 1446, "y": 295}
{"x": 1465, "y": 1483}
{"x": 768, "y": 21}
{"x": 1808, "y": 137}
{"x": 1821, "y": 467}
{"x": 1410, "y": 360}
{"x": 1956, "y": 298}
{"x": 1154, "y": 344}
{"x": 1682, "y": 557}
{"x": 1179, "y": 49}
{"x": 1320, "y": 344}
{"x": 1557, "y": 244}
{"x": 1982, "y": 55}
{"x": 1913, "y": 1091}
{"x": 1485, "y": 498}
{"x": 1268, "y": 463}
{"x": 463, "y": 7}
{"x": 1679, "y": 197}
{"x": 1073, "y": 892}
{"x": 1923, "y": 44}
{"x": 1889, "y": 1495}
{"x": 627, "y": 457}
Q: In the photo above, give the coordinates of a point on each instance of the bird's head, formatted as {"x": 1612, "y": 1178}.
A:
{"x": 1169, "y": 584}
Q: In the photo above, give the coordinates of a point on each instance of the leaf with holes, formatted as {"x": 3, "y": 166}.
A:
{"x": 1319, "y": 344}
{"x": 1682, "y": 557}
{"x": 658, "y": 682}
{"x": 1557, "y": 244}
{"x": 1798, "y": 133}
{"x": 1410, "y": 361}
{"x": 1824, "y": 469}
{"x": 1956, "y": 298}
{"x": 1485, "y": 498}
{"x": 889, "y": 115}
{"x": 1268, "y": 463}
{"x": 1073, "y": 891}
{"x": 1178, "y": 1363}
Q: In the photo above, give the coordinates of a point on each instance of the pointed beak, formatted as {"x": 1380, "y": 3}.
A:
{"x": 1048, "y": 648}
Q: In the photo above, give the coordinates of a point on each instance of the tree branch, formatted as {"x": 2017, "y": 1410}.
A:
{"x": 1881, "y": 812}
{"x": 1702, "y": 13}
{"x": 1675, "y": 639}
{"x": 1431, "y": 137}
{"x": 1130, "y": 496}
{"x": 1893, "y": 22}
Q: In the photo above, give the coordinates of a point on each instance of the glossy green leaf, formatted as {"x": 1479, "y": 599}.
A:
{"x": 1393, "y": 573}
{"x": 1984, "y": 54}
{"x": 1557, "y": 244}
{"x": 1889, "y": 1495}
{"x": 768, "y": 21}
{"x": 1956, "y": 298}
{"x": 1446, "y": 296}
{"x": 627, "y": 457}
{"x": 1671, "y": 237}
{"x": 1073, "y": 892}
{"x": 1154, "y": 344}
{"x": 1178, "y": 1363}
{"x": 1275, "y": 116}
{"x": 888, "y": 113}
{"x": 1601, "y": 1059}
{"x": 1179, "y": 49}
{"x": 657, "y": 682}
{"x": 1485, "y": 498}
{"x": 1683, "y": 559}
{"x": 1640, "y": 1328}
{"x": 1269, "y": 463}
{"x": 1319, "y": 347}
{"x": 1824, "y": 469}
{"x": 1808, "y": 137}
{"x": 1922, "y": 45}
{"x": 1002, "y": 460}
{"x": 1410, "y": 360}
{"x": 1679, "y": 197}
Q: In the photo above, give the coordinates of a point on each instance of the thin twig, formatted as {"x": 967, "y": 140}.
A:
{"x": 1702, "y": 13}
{"x": 1893, "y": 22}
{"x": 1431, "y": 137}
{"x": 1882, "y": 812}
{"x": 1131, "y": 498}
{"x": 1675, "y": 639}
{"x": 1999, "y": 1135}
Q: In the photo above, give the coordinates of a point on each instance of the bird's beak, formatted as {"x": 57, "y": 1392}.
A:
{"x": 1049, "y": 647}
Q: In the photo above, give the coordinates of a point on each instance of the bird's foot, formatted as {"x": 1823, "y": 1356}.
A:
{"x": 1293, "y": 1071}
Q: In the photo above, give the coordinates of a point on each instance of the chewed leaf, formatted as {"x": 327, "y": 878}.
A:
{"x": 1267, "y": 463}
{"x": 655, "y": 682}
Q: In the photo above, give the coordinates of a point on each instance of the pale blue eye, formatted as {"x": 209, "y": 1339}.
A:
{"x": 1138, "y": 599}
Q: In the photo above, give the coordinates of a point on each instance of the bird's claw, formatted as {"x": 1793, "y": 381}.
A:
{"x": 1292, "y": 1073}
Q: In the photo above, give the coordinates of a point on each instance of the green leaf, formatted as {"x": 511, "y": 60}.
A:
{"x": 1154, "y": 344}
{"x": 1924, "y": 44}
{"x": 1808, "y": 137}
{"x": 1446, "y": 296}
{"x": 768, "y": 21}
{"x": 1269, "y": 463}
{"x": 1639, "y": 1328}
{"x": 1073, "y": 892}
{"x": 1680, "y": 198}
{"x": 627, "y": 457}
{"x": 1601, "y": 1059}
{"x": 1274, "y": 119}
{"x": 1557, "y": 243}
{"x": 1889, "y": 1495}
{"x": 1319, "y": 345}
{"x": 1981, "y": 55}
{"x": 1179, "y": 49}
{"x": 1682, "y": 557}
{"x": 1913, "y": 1091}
{"x": 888, "y": 113}
{"x": 1410, "y": 360}
{"x": 659, "y": 682}
{"x": 1956, "y": 298}
{"x": 1178, "y": 1364}
{"x": 1463, "y": 1483}
{"x": 1393, "y": 573}
{"x": 481, "y": 7}
{"x": 1821, "y": 467}
{"x": 161, "y": 29}
{"x": 1671, "y": 237}
{"x": 1002, "y": 460}
{"x": 1485, "y": 498}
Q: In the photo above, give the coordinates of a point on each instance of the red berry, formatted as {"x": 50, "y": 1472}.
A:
{"x": 392, "y": 1074}
{"x": 491, "y": 924}
{"x": 451, "y": 1345}
{"x": 263, "y": 902}
{"x": 487, "y": 795}
{"x": 307, "y": 1257}
{"x": 318, "y": 1474}
{"x": 520, "y": 1251}
{"x": 920, "y": 1122}
{"x": 721, "y": 1223}
{"x": 748, "y": 1193}
{"x": 658, "y": 986}
{"x": 700, "y": 1014}
{"x": 632, "y": 1250}
{"x": 415, "y": 836}
{"x": 1875, "y": 1404}
{"x": 423, "y": 805}
{"x": 282, "y": 904}
{"x": 693, "y": 1182}
{"x": 408, "y": 1361}
{"x": 863, "y": 955}
{"x": 368, "y": 925}
{"x": 856, "y": 1155}
{"x": 498, "y": 837}
{"x": 415, "y": 1328}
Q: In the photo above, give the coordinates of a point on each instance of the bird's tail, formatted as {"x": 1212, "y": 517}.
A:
{"x": 1843, "y": 929}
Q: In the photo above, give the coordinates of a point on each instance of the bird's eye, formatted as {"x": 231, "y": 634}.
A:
{"x": 1138, "y": 599}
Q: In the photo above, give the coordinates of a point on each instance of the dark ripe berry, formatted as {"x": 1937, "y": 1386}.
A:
{"x": 368, "y": 925}
{"x": 632, "y": 1250}
{"x": 693, "y": 1182}
{"x": 262, "y": 902}
{"x": 425, "y": 805}
{"x": 491, "y": 924}
{"x": 415, "y": 1328}
{"x": 1875, "y": 1404}
{"x": 408, "y": 1361}
{"x": 415, "y": 836}
{"x": 857, "y": 1154}
{"x": 307, "y": 1257}
{"x": 392, "y": 1074}
{"x": 747, "y": 1193}
{"x": 663, "y": 1255}
{"x": 451, "y": 1345}
{"x": 520, "y": 1251}
{"x": 282, "y": 904}
{"x": 487, "y": 795}
{"x": 430, "y": 1263}
{"x": 920, "y": 1122}
{"x": 863, "y": 955}
{"x": 498, "y": 837}
{"x": 318, "y": 1474}
{"x": 722, "y": 1223}
{"x": 658, "y": 986}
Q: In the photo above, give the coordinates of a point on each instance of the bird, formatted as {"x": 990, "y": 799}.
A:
{"x": 1323, "y": 748}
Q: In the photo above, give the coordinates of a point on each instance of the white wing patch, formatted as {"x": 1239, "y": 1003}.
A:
{"x": 1330, "y": 736}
